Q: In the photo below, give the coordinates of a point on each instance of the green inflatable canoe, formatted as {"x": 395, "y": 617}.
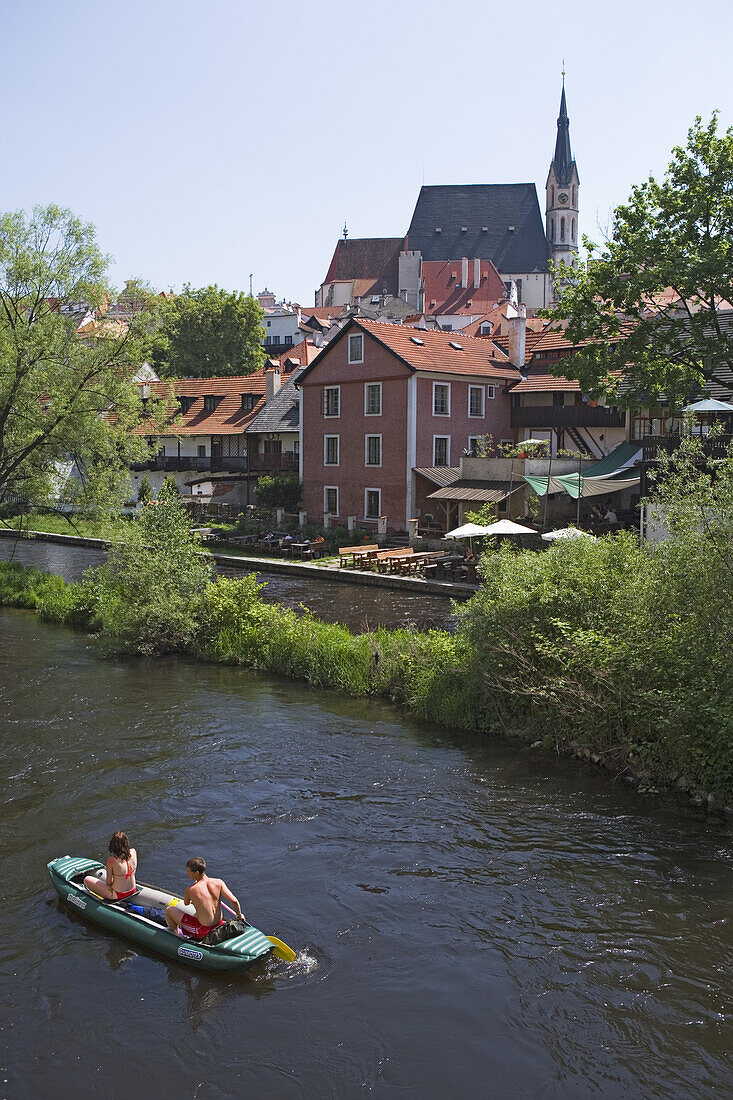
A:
{"x": 67, "y": 875}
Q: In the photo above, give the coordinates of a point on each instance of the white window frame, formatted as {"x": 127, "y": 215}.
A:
{"x": 353, "y": 336}
{"x": 326, "y": 490}
{"x": 366, "y": 399}
{"x": 447, "y": 455}
{"x": 328, "y": 415}
{"x": 491, "y": 392}
{"x": 325, "y": 450}
{"x": 372, "y": 465}
{"x": 478, "y": 415}
{"x": 379, "y": 507}
{"x": 472, "y": 438}
{"x": 447, "y": 386}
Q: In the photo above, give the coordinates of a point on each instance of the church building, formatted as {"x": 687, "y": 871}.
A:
{"x": 466, "y": 225}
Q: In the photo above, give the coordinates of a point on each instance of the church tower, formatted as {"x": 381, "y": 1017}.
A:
{"x": 562, "y": 188}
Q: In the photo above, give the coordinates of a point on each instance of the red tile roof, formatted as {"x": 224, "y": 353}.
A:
{"x": 540, "y": 383}
{"x": 434, "y": 351}
{"x": 228, "y": 418}
{"x": 443, "y": 292}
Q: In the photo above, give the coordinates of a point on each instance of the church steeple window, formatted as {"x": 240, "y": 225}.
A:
{"x": 552, "y": 200}
{"x": 573, "y": 231}
{"x": 573, "y": 194}
{"x": 562, "y": 229}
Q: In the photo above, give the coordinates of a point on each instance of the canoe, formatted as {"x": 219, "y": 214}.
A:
{"x": 67, "y": 875}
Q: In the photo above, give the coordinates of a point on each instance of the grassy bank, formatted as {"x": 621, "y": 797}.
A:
{"x": 542, "y": 652}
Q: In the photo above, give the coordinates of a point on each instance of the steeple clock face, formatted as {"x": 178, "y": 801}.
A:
{"x": 562, "y": 198}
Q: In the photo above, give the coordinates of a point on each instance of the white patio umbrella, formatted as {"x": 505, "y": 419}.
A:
{"x": 508, "y": 527}
{"x": 567, "y": 533}
{"x": 709, "y": 405}
{"x": 467, "y": 531}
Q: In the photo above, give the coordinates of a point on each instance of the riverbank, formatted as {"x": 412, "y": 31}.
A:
{"x": 315, "y": 573}
{"x": 437, "y": 676}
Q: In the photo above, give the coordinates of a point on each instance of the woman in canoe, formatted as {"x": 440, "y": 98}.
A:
{"x": 121, "y": 867}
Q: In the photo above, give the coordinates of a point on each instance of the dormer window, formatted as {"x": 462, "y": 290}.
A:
{"x": 211, "y": 400}
{"x": 185, "y": 403}
{"x": 248, "y": 401}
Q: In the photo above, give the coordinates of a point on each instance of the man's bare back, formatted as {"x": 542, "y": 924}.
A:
{"x": 205, "y": 895}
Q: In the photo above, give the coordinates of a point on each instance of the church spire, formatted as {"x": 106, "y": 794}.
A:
{"x": 563, "y": 159}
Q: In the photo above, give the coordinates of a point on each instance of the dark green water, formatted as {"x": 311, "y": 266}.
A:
{"x": 472, "y": 919}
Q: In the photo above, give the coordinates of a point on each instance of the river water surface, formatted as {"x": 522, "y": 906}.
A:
{"x": 472, "y": 919}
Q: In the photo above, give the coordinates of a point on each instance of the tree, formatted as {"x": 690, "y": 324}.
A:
{"x": 148, "y": 596}
{"x": 208, "y": 333}
{"x": 650, "y": 300}
{"x": 59, "y": 380}
{"x": 279, "y": 492}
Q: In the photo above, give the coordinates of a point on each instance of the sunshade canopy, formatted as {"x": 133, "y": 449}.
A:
{"x": 708, "y": 405}
{"x": 566, "y": 533}
{"x": 508, "y": 527}
{"x": 467, "y": 531}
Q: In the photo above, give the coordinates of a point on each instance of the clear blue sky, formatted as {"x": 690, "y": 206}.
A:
{"x": 209, "y": 140}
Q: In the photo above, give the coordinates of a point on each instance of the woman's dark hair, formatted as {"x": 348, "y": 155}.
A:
{"x": 119, "y": 846}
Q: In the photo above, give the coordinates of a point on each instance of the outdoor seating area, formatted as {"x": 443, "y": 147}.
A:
{"x": 433, "y": 564}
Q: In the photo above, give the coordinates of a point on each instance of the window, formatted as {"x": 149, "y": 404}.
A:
{"x": 210, "y": 402}
{"x": 491, "y": 392}
{"x": 373, "y": 399}
{"x": 572, "y": 231}
{"x": 447, "y": 328}
{"x": 276, "y": 339}
{"x": 201, "y": 450}
{"x": 552, "y": 200}
{"x": 372, "y": 503}
{"x": 356, "y": 348}
{"x": 562, "y": 229}
{"x": 373, "y": 450}
{"x": 186, "y": 403}
{"x": 331, "y": 400}
{"x": 269, "y": 323}
{"x": 475, "y": 400}
{"x": 330, "y": 450}
{"x": 573, "y": 194}
{"x": 473, "y": 445}
{"x": 441, "y": 398}
{"x": 552, "y": 229}
{"x": 248, "y": 401}
{"x": 331, "y": 500}
{"x": 441, "y": 450}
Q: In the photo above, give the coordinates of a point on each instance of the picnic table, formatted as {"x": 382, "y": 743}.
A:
{"x": 394, "y": 557}
{"x": 204, "y": 533}
{"x": 358, "y": 554}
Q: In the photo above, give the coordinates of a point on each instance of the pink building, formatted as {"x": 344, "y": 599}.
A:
{"x": 382, "y": 404}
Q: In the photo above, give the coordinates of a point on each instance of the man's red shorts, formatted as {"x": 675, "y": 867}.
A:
{"x": 192, "y": 926}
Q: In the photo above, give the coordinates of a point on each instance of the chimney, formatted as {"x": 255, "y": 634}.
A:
{"x": 477, "y": 273}
{"x": 464, "y": 271}
{"x": 273, "y": 381}
{"x": 518, "y": 338}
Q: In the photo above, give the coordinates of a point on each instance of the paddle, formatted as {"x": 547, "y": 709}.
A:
{"x": 281, "y": 950}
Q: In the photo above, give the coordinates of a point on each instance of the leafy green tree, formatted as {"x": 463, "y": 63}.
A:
{"x": 206, "y": 333}
{"x": 169, "y": 489}
{"x": 58, "y": 382}
{"x": 148, "y": 595}
{"x": 650, "y": 300}
{"x": 145, "y": 490}
{"x": 279, "y": 492}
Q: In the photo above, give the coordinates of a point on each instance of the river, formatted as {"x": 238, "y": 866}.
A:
{"x": 358, "y": 607}
{"x": 471, "y": 918}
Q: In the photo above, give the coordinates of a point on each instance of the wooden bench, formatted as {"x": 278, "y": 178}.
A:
{"x": 355, "y": 552}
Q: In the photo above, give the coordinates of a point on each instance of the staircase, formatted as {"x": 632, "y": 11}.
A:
{"x": 581, "y": 443}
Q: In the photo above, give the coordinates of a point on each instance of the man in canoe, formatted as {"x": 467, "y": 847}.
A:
{"x": 205, "y": 895}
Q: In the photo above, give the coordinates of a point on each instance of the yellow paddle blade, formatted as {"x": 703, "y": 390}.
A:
{"x": 282, "y": 950}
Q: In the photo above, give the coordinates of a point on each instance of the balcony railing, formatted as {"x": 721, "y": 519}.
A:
{"x": 209, "y": 463}
{"x": 716, "y": 447}
{"x": 567, "y": 416}
{"x": 275, "y": 462}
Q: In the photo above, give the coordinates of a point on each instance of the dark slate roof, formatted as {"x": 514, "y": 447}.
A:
{"x": 487, "y": 211}
{"x": 563, "y": 159}
{"x": 374, "y": 258}
{"x": 280, "y": 414}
